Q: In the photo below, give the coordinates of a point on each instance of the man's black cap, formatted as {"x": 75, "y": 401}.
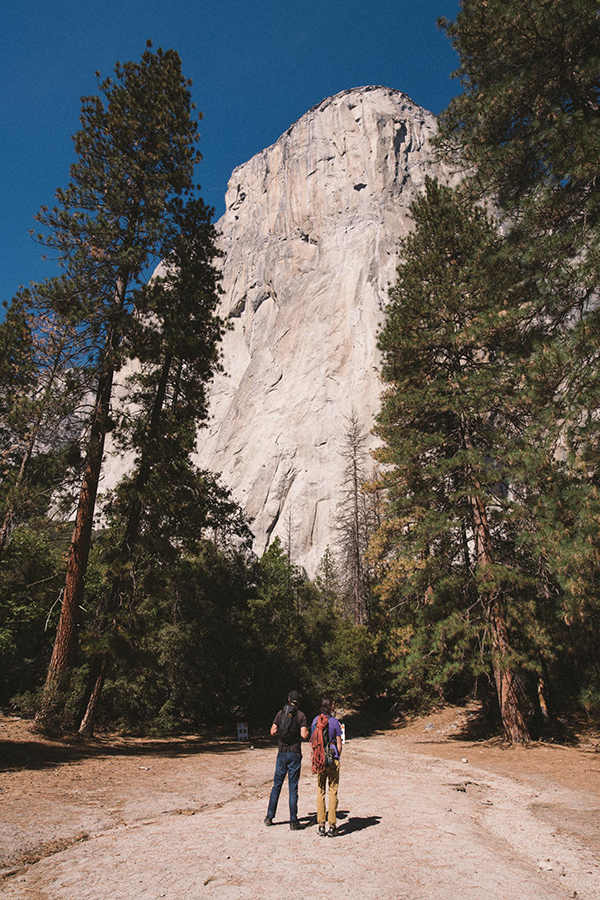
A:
{"x": 293, "y": 696}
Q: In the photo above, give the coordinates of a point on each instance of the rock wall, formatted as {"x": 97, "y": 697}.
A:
{"x": 310, "y": 236}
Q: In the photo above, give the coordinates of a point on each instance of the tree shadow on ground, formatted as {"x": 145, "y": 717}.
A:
{"x": 371, "y": 718}
{"x": 481, "y": 722}
{"x": 45, "y": 753}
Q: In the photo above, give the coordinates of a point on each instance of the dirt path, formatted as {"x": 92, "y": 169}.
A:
{"x": 421, "y": 816}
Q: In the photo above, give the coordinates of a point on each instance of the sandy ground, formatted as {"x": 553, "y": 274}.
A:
{"x": 422, "y": 815}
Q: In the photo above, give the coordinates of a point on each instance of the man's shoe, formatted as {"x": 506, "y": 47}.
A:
{"x": 296, "y": 826}
{"x": 332, "y": 831}
{"x": 321, "y": 831}
{"x": 268, "y": 821}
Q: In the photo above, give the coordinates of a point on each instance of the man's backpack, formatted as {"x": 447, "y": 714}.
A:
{"x": 321, "y": 753}
{"x": 289, "y": 732}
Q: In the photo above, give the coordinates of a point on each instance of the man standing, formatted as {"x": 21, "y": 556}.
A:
{"x": 332, "y": 748}
{"x": 291, "y": 726}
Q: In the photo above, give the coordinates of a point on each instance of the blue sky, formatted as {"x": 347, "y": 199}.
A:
{"x": 257, "y": 66}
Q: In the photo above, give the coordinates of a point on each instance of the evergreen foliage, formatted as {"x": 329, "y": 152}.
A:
{"x": 177, "y": 654}
{"x": 327, "y": 578}
{"x": 30, "y": 579}
{"x": 40, "y": 390}
{"x": 526, "y": 124}
{"x": 454, "y": 561}
{"x": 124, "y": 209}
{"x": 355, "y": 521}
{"x": 299, "y": 635}
{"x": 525, "y": 131}
{"x": 159, "y": 413}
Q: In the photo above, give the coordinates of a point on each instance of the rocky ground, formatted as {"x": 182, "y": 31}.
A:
{"x": 425, "y": 812}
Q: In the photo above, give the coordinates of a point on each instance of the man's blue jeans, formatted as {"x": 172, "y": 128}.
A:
{"x": 287, "y": 764}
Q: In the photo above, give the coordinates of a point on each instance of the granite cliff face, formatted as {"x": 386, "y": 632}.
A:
{"x": 310, "y": 236}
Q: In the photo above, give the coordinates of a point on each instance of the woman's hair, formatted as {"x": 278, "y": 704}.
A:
{"x": 326, "y": 705}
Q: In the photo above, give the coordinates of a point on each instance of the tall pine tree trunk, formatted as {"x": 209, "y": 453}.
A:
{"x": 513, "y": 720}
{"x": 86, "y": 728}
{"x": 65, "y": 642}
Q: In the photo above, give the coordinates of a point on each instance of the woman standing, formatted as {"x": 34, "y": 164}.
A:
{"x": 332, "y": 741}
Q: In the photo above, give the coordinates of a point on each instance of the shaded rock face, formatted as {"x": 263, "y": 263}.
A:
{"x": 310, "y": 236}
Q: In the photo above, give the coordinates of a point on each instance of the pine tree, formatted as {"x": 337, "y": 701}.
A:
{"x": 450, "y": 417}
{"x": 526, "y": 130}
{"x": 327, "y": 580}
{"x": 353, "y": 521}
{"x": 176, "y": 341}
{"x": 135, "y": 158}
